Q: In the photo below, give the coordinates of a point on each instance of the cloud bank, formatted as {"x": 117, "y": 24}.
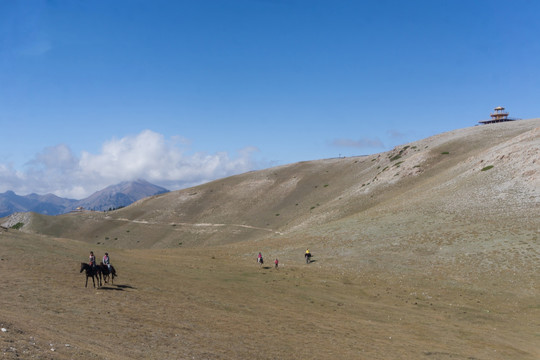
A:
{"x": 148, "y": 155}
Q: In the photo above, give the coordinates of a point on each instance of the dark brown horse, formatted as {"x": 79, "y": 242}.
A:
{"x": 91, "y": 272}
{"x": 106, "y": 273}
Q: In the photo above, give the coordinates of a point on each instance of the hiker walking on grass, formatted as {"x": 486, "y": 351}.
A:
{"x": 260, "y": 259}
{"x": 276, "y": 262}
{"x": 307, "y": 255}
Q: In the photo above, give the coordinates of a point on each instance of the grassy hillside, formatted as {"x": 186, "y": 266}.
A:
{"x": 441, "y": 174}
{"x": 428, "y": 251}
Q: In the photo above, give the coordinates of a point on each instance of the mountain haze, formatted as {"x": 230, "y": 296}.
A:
{"x": 44, "y": 204}
{"x": 120, "y": 195}
{"x": 111, "y": 197}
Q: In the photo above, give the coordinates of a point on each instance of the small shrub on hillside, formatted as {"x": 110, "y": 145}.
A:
{"x": 398, "y": 156}
{"x": 487, "y": 168}
{"x": 17, "y": 226}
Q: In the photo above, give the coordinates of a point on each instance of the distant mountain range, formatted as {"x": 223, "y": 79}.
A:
{"x": 112, "y": 197}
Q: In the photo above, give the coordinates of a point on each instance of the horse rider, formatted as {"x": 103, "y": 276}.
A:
{"x": 92, "y": 259}
{"x": 106, "y": 261}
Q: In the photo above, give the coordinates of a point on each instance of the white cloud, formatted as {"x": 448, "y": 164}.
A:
{"x": 9, "y": 178}
{"x": 148, "y": 156}
{"x": 55, "y": 158}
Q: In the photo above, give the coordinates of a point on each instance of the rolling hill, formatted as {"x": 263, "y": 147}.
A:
{"x": 484, "y": 173}
{"x": 427, "y": 251}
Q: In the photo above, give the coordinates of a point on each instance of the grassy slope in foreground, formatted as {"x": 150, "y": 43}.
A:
{"x": 218, "y": 304}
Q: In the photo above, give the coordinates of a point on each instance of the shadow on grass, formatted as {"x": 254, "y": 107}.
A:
{"x": 110, "y": 288}
{"x": 116, "y": 287}
{"x": 125, "y": 286}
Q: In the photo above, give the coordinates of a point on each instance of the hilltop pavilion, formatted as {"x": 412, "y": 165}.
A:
{"x": 499, "y": 115}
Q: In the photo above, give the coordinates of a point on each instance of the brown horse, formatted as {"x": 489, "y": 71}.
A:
{"x": 106, "y": 273}
{"x": 91, "y": 272}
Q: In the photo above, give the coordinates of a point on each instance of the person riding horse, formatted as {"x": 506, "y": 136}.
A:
{"x": 107, "y": 261}
{"x": 107, "y": 270}
{"x": 92, "y": 260}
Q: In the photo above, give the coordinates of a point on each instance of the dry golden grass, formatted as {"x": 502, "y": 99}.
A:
{"x": 218, "y": 304}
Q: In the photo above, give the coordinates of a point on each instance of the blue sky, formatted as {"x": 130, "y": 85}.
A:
{"x": 182, "y": 92}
